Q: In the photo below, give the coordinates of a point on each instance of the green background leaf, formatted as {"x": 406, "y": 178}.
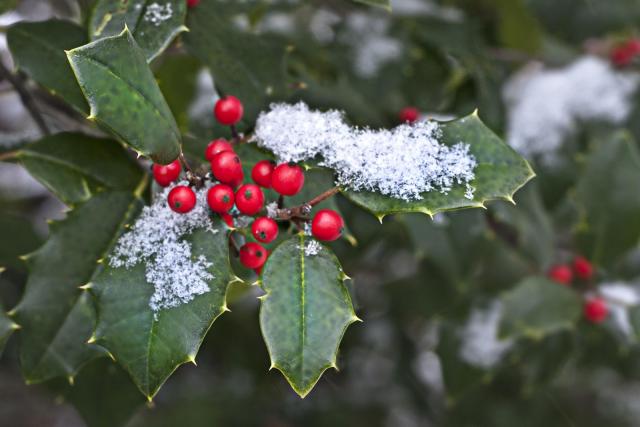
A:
{"x": 608, "y": 199}
{"x": 124, "y": 96}
{"x": 149, "y": 348}
{"x": 500, "y": 172}
{"x": 537, "y": 307}
{"x": 38, "y": 50}
{"x": 305, "y": 312}
{"x": 245, "y": 65}
{"x": 109, "y": 18}
{"x": 74, "y": 166}
{"x": 386, "y": 4}
{"x": 55, "y": 315}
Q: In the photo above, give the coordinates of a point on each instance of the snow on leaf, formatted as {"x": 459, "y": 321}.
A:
{"x": 402, "y": 162}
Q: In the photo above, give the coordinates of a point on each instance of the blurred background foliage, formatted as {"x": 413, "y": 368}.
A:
{"x": 460, "y": 326}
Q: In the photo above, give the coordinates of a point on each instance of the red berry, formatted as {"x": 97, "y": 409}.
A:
{"x": 192, "y": 3}
{"x": 166, "y": 174}
{"x": 220, "y": 198}
{"x": 287, "y": 179}
{"x": 264, "y": 229}
{"x": 217, "y": 146}
{"x": 582, "y": 268}
{"x": 226, "y": 167}
{"x": 596, "y": 309}
{"x": 249, "y": 199}
{"x": 228, "y": 219}
{"x": 228, "y": 110}
{"x": 327, "y": 225}
{"x": 258, "y": 270}
{"x": 261, "y": 173}
{"x": 409, "y": 115}
{"x": 561, "y": 274}
{"x": 624, "y": 54}
{"x": 181, "y": 199}
{"x": 253, "y": 255}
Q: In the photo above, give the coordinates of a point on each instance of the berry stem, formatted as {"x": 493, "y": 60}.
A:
{"x": 234, "y": 134}
{"x": 302, "y": 211}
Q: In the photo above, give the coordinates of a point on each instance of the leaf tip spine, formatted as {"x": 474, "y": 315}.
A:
{"x": 71, "y": 380}
{"x": 86, "y": 286}
{"x": 191, "y": 358}
{"x": 92, "y": 339}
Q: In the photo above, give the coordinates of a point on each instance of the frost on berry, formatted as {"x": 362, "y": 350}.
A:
{"x": 156, "y": 239}
{"x": 545, "y": 106}
{"x": 402, "y": 162}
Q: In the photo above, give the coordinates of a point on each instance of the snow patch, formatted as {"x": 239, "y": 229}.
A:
{"x": 546, "y": 106}
{"x": 156, "y": 239}
{"x": 402, "y": 162}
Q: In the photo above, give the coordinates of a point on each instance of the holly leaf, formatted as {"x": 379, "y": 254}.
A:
{"x": 55, "y": 315}
{"x": 154, "y": 25}
{"x": 537, "y": 307}
{"x": 150, "y": 346}
{"x": 500, "y": 172}
{"x": 74, "y": 166}
{"x": 124, "y": 96}
{"x": 38, "y": 49}
{"x": 385, "y": 4}
{"x": 305, "y": 311}
{"x": 102, "y": 393}
{"x": 249, "y": 66}
{"x": 609, "y": 207}
{"x": 7, "y": 328}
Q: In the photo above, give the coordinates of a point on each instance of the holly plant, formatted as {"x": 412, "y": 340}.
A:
{"x": 205, "y": 159}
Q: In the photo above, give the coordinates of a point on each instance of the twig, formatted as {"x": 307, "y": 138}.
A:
{"x": 8, "y": 155}
{"x": 26, "y": 98}
{"x": 302, "y": 211}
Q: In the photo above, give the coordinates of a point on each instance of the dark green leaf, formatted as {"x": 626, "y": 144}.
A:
{"x": 499, "y": 174}
{"x": 38, "y": 49}
{"x": 634, "y": 319}
{"x": 124, "y": 96}
{"x": 153, "y": 35}
{"x": 150, "y": 346}
{"x": 7, "y": 327}
{"x": 75, "y": 166}
{"x": 537, "y": 307}
{"x": 305, "y": 311}
{"x": 607, "y": 198}
{"x": 386, "y": 4}
{"x": 245, "y": 65}
{"x": 56, "y": 316}
{"x": 20, "y": 231}
{"x": 102, "y": 393}
{"x": 177, "y": 77}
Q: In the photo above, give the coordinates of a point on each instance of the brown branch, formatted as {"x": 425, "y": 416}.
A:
{"x": 26, "y": 98}
{"x": 8, "y": 155}
{"x": 302, "y": 211}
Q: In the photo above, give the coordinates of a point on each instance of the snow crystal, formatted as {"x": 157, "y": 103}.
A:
{"x": 480, "y": 344}
{"x": 312, "y": 248}
{"x": 156, "y": 239}
{"x": 402, "y": 162}
{"x": 272, "y": 209}
{"x": 545, "y": 106}
{"x": 157, "y": 14}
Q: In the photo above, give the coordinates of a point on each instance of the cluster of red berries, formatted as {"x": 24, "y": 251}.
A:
{"x": 286, "y": 179}
{"x": 625, "y": 53}
{"x": 596, "y": 309}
